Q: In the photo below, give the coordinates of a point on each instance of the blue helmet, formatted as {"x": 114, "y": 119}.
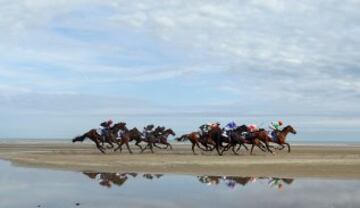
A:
{"x": 232, "y": 124}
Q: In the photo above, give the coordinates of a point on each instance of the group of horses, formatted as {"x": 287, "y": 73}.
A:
{"x": 235, "y": 139}
{"x": 214, "y": 139}
{"x": 158, "y": 136}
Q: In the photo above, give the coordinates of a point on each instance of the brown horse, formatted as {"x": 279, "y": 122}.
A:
{"x": 93, "y": 136}
{"x": 196, "y": 139}
{"x": 124, "y": 138}
{"x": 133, "y": 134}
{"x": 281, "y": 138}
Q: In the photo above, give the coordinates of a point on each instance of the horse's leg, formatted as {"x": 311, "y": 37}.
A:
{"x": 111, "y": 145}
{"x": 200, "y": 147}
{"x": 157, "y": 146}
{"x": 151, "y": 147}
{"x": 227, "y": 147}
{"x": 169, "y": 145}
{"x": 252, "y": 148}
{"x": 282, "y": 146}
{"x": 118, "y": 147}
{"x": 99, "y": 147}
{"x": 288, "y": 145}
{"x": 128, "y": 147}
{"x": 237, "y": 149}
{"x": 218, "y": 150}
{"x": 247, "y": 149}
{"x": 233, "y": 149}
{"x": 268, "y": 147}
{"x": 137, "y": 144}
{"x": 193, "y": 148}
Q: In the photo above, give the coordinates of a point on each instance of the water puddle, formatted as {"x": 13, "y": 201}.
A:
{"x": 27, "y": 187}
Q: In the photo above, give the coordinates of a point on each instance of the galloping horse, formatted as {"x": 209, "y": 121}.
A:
{"x": 281, "y": 138}
{"x": 162, "y": 138}
{"x": 135, "y": 134}
{"x": 215, "y": 134}
{"x": 124, "y": 138}
{"x": 196, "y": 139}
{"x": 159, "y": 136}
{"x": 93, "y": 136}
{"x": 236, "y": 138}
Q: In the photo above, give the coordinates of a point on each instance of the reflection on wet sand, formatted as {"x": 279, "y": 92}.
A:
{"x": 109, "y": 179}
{"x": 234, "y": 181}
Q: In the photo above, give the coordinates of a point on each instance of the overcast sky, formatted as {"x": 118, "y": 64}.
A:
{"x": 67, "y": 65}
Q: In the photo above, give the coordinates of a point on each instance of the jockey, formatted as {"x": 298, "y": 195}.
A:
{"x": 147, "y": 130}
{"x": 252, "y": 128}
{"x": 228, "y": 128}
{"x": 105, "y": 127}
{"x": 214, "y": 125}
{"x": 205, "y": 128}
{"x": 275, "y": 127}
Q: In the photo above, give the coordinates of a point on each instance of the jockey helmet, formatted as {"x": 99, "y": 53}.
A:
{"x": 280, "y": 123}
{"x": 110, "y": 122}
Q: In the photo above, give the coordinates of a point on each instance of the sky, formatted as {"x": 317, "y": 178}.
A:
{"x": 65, "y": 66}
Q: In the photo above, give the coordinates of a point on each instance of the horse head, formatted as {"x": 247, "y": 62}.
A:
{"x": 242, "y": 128}
{"x": 120, "y": 125}
{"x": 290, "y": 129}
{"x": 170, "y": 131}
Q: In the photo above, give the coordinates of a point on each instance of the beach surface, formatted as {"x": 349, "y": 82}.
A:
{"x": 324, "y": 161}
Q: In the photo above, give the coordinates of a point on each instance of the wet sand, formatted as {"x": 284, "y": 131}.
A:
{"x": 330, "y": 161}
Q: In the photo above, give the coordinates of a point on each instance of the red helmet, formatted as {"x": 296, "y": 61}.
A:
{"x": 280, "y": 123}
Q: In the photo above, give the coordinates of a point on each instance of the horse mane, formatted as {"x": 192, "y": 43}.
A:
{"x": 286, "y": 127}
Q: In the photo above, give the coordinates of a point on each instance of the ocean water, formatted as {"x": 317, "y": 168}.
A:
{"x": 29, "y": 187}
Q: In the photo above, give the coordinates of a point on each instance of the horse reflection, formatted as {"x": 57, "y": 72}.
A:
{"x": 119, "y": 179}
{"x": 109, "y": 179}
{"x": 234, "y": 181}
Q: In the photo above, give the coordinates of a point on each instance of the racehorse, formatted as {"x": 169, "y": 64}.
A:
{"x": 266, "y": 139}
{"x": 159, "y": 136}
{"x": 196, "y": 139}
{"x": 235, "y": 137}
{"x": 215, "y": 134}
{"x": 124, "y": 138}
{"x": 281, "y": 137}
{"x": 134, "y": 134}
{"x": 93, "y": 136}
{"x": 162, "y": 138}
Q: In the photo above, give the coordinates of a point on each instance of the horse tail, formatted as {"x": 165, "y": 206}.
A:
{"x": 80, "y": 138}
{"x": 182, "y": 138}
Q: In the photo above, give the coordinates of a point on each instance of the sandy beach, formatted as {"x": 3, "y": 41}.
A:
{"x": 330, "y": 161}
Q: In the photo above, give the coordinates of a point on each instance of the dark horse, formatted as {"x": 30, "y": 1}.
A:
{"x": 93, "y": 136}
{"x": 215, "y": 134}
{"x": 236, "y": 137}
{"x": 159, "y": 137}
{"x": 162, "y": 138}
{"x": 133, "y": 134}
